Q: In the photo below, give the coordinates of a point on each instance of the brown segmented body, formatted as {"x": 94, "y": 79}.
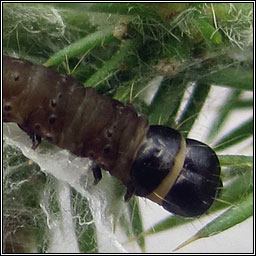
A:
{"x": 47, "y": 104}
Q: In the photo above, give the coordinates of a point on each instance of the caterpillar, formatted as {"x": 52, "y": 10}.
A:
{"x": 152, "y": 161}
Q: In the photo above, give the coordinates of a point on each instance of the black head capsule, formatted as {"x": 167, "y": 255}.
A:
{"x": 181, "y": 175}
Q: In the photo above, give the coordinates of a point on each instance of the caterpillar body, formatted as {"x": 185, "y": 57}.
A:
{"x": 156, "y": 162}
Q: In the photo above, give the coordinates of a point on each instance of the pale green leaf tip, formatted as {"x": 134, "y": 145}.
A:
{"x": 190, "y": 240}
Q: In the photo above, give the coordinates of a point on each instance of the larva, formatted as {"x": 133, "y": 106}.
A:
{"x": 156, "y": 162}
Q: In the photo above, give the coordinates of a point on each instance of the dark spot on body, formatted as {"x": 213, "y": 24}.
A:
{"x": 107, "y": 149}
{"x": 15, "y": 76}
{"x": 8, "y": 107}
{"x": 109, "y": 133}
{"x": 52, "y": 119}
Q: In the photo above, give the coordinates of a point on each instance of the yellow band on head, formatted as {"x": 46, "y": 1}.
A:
{"x": 161, "y": 191}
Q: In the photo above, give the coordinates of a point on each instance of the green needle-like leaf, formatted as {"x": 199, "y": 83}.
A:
{"x": 165, "y": 106}
{"x": 246, "y": 103}
{"x": 193, "y": 107}
{"x": 236, "y": 214}
{"x": 238, "y": 134}
{"x": 231, "y": 77}
{"x": 111, "y": 66}
{"x": 223, "y": 113}
{"x": 136, "y": 219}
{"x": 81, "y": 46}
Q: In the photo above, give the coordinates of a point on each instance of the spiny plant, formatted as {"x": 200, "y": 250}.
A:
{"x": 120, "y": 48}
